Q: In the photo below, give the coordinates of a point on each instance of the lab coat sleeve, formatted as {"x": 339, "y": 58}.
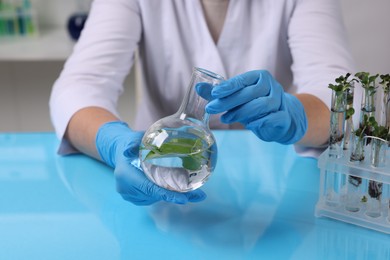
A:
{"x": 94, "y": 73}
{"x": 320, "y": 51}
{"x": 319, "y": 47}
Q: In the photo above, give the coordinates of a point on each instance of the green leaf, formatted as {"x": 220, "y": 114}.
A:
{"x": 190, "y": 151}
{"x": 385, "y": 82}
{"x": 373, "y": 78}
{"x": 350, "y": 112}
{"x": 342, "y": 83}
{"x": 192, "y": 163}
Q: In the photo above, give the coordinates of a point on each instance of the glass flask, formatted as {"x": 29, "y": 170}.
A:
{"x": 179, "y": 152}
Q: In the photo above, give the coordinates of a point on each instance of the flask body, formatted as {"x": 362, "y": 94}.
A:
{"x": 179, "y": 152}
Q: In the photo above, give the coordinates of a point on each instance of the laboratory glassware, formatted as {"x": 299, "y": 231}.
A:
{"x": 333, "y": 180}
{"x": 364, "y": 168}
{"x": 179, "y": 152}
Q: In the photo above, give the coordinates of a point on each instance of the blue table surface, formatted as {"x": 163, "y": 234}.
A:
{"x": 260, "y": 205}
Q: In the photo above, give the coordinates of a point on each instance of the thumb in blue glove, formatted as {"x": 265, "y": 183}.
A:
{"x": 118, "y": 147}
{"x": 256, "y": 100}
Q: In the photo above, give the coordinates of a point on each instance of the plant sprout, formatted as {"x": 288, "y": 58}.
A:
{"x": 385, "y": 82}
{"x": 344, "y": 85}
{"x": 370, "y": 127}
{"x": 367, "y": 81}
{"x": 379, "y": 131}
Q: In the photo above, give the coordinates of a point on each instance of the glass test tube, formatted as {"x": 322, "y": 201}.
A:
{"x": 374, "y": 203}
{"x": 354, "y": 191}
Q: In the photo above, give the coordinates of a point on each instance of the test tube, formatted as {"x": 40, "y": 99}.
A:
{"x": 349, "y": 111}
{"x": 354, "y": 192}
{"x": 388, "y": 211}
{"x": 378, "y": 152}
{"x": 386, "y": 199}
{"x": 374, "y": 203}
{"x": 354, "y": 187}
{"x": 337, "y": 123}
{"x": 333, "y": 188}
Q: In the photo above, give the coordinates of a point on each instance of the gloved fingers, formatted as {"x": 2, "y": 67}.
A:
{"x": 204, "y": 90}
{"x": 195, "y": 195}
{"x": 236, "y": 92}
{"x": 137, "y": 200}
{"x": 132, "y": 149}
{"x": 112, "y": 138}
{"x": 273, "y": 127}
{"x": 235, "y": 84}
{"x": 133, "y": 185}
{"x": 279, "y": 119}
{"x": 137, "y": 136}
{"x": 251, "y": 111}
{"x": 236, "y": 99}
{"x": 164, "y": 194}
{"x": 127, "y": 180}
{"x": 192, "y": 196}
{"x": 159, "y": 193}
{"x": 276, "y": 90}
{"x": 260, "y": 78}
{"x": 150, "y": 189}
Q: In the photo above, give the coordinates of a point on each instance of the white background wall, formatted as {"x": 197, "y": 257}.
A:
{"x": 25, "y": 86}
{"x": 368, "y": 26}
{"x": 56, "y": 12}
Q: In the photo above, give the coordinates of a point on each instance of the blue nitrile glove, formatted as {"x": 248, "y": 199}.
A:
{"x": 256, "y": 100}
{"x": 118, "y": 146}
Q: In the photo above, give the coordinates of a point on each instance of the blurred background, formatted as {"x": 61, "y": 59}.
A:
{"x": 32, "y": 57}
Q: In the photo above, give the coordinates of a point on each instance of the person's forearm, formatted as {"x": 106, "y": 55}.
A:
{"x": 318, "y": 117}
{"x": 83, "y": 126}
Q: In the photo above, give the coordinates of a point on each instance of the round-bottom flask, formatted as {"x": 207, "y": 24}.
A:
{"x": 179, "y": 152}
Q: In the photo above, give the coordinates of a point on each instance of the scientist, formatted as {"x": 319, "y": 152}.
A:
{"x": 278, "y": 57}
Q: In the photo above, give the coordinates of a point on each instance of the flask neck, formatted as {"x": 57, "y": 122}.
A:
{"x": 193, "y": 105}
{"x": 193, "y": 108}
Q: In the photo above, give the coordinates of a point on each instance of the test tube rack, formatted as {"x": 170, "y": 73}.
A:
{"x": 336, "y": 194}
{"x": 355, "y": 168}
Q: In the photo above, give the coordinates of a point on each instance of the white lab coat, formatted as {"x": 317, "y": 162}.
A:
{"x": 301, "y": 42}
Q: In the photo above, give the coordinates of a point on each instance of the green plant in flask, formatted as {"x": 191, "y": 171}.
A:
{"x": 179, "y": 152}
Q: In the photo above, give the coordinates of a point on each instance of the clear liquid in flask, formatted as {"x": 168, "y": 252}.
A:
{"x": 179, "y": 159}
{"x": 179, "y": 152}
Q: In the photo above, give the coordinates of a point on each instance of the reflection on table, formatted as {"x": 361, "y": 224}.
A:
{"x": 260, "y": 204}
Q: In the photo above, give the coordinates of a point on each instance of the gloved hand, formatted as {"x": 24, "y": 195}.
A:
{"x": 256, "y": 100}
{"x": 118, "y": 146}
